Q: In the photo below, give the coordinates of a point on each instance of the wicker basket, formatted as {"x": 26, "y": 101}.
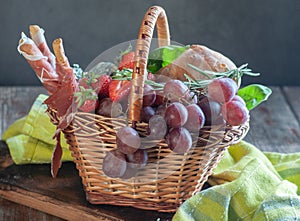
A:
{"x": 168, "y": 179}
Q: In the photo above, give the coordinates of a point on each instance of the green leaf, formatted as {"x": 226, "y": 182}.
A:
{"x": 163, "y": 56}
{"x": 254, "y": 94}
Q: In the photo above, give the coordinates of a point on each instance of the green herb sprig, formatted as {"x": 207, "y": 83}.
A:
{"x": 236, "y": 73}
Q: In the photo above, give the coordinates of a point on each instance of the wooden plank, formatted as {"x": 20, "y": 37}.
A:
{"x": 273, "y": 125}
{"x": 15, "y": 103}
{"x": 64, "y": 210}
{"x": 14, "y": 211}
{"x": 292, "y": 95}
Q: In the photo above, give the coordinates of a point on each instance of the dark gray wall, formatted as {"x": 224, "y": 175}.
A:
{"x": 263, "y": 33}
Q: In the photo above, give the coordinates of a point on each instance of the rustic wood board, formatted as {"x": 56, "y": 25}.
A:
{"x": 15, "y": 102}
{"x": 292, "y": 95}
{"x": 273, "y": 124}
{"x": 13, "y": 211}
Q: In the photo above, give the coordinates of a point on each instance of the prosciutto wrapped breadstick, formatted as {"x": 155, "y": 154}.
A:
{"x": 63, "y": 68}
{"x": 57, "y": 77}
{"x": 39, "y": 63}
{"x": 37, "y": 35}
{"x": 63, "y": 99}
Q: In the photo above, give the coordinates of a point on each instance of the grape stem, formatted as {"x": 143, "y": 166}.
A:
{"x": 234, "y": 74}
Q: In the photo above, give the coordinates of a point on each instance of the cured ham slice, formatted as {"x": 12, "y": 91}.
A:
{"x": 39, "y": 63}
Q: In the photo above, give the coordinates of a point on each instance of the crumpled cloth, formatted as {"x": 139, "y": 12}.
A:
{"x": 248, "y": 185}
{"x": 30, "y": 139}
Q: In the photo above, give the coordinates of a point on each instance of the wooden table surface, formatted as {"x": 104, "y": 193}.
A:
{"x": 28, "y": 192}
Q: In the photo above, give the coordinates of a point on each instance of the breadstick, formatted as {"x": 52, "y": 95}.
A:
{"x": 59, "y": 52}
{"x": 63, "y": 99}
{"x": 37, "y": 35}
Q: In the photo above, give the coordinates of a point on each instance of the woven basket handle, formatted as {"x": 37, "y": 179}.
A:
{"x": 154, "y": 15}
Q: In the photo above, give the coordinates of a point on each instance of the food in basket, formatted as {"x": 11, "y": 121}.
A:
{"x": 175, "y": 108}
{"x": 156, "y": 125}
{"x": 127, "y": 60}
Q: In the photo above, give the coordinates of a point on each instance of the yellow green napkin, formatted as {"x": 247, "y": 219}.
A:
{"x": 29, "y": 139}
{"x": 248, "y": 185}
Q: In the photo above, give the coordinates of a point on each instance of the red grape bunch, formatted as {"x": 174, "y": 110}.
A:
{"x": 124, "y": 161}
{"x": 174, "y": 114}
{"x": 182, "y": 115}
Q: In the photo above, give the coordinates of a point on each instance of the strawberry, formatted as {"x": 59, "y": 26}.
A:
{"x": 83, "y": 82}
{"x": 127, "y": 61}
{"x": 86, "y": 99}
{"x": 99, "y": 83}
{"x": 119, "y": 89}
{"x": 89, "y": 106}
{"x": 101, "y": 86}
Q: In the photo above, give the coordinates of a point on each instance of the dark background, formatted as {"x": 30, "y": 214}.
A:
{"x": 263, "y": 33}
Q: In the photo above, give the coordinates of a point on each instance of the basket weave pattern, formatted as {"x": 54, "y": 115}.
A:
{"x": 153, "y": 188}
{"x": 168, "y": 179}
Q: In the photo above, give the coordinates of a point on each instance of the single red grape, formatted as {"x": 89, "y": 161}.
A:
{"x": 114, "y": 164}
{"x": 210, "y": 108}
{"x": 176, "y": 115}
{"x": 160, "y": 98}
{"x": 174, "y": 90}
{"x": 158, "y": 127}
{"x": 235, "y": 113}
{"x": 222, "y": 90}
{"x": 179, "y": 140}
{"x": 147, "y": 113}
{"x": 149, "y": 95}
{"x": 195, "y": 119}
{"x": 138, "y": 159}
{"x": 128, "y": 140}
